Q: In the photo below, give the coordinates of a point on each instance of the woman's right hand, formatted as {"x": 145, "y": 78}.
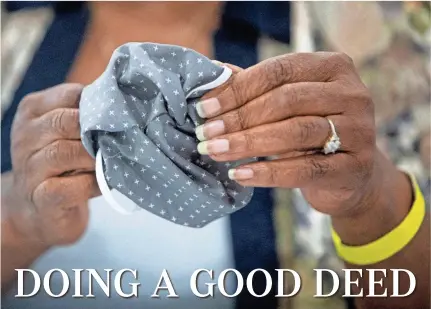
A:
{"x": 52, "y": 174}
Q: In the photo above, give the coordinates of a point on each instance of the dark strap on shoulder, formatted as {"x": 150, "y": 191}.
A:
{"x": 253, "y": 234}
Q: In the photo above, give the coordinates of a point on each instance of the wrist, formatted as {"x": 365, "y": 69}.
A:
{"x": 386, "y": 201}
{"x": 12, "y": 237}
{"x": 17, "y": 220}
{"x": 17, "y": 252}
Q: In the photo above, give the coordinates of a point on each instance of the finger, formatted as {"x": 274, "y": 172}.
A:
{"x": 55, "y": 125}
{"x": 295, "y": 154}
{"x": 272, "y": 73}
{"x": 61, "y": 96}
{"x": 234, "y": 68}
{"x": 60, "y": 123}
{"x": 291, "y": 135}
{"x": 68, "y": 224}
{"x": 68, "y": 192}
{"x": 58, "y": 158}
{"x": 216, "y": 91}
{"x": 298, "y": 172}
{"x": 286, "y": 101}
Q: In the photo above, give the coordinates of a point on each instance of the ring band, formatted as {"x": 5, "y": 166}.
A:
{"x": 333, "y": 143}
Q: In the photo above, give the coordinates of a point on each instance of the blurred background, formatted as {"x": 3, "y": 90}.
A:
{"x": 390, "y": 45}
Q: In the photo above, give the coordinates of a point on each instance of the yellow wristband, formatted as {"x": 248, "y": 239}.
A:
{"x": 389, "y": 244}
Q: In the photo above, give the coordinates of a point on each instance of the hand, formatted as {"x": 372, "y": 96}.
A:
{"x": 281, "y": 107}
{"x": 52, "y": 174}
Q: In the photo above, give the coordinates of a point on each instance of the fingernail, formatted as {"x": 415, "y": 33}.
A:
{"x": 214, "y": 147}
{"x": 210, "y": 130}
{"x": 208, "y": 108}
{"x": 241, "y": 174}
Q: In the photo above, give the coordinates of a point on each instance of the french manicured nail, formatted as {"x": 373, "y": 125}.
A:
{"x": 241, "y": 174}
{"x": 210, "y": 130}
{"x": 214, "y": 147}
{"x": 208, "y": 108}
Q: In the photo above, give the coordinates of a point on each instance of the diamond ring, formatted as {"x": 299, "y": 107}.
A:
{"x": 333, "y": 143}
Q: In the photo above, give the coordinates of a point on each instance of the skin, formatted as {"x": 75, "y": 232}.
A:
{"x": 44, "y": 197}
{"x": 44, "y": 203}
{"x": 194, "y": 24}
{"x": 278, "y": 105}
{"x": 278, "y": 108}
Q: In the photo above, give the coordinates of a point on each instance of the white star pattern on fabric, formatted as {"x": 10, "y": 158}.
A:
{"x": 145, "y": 107}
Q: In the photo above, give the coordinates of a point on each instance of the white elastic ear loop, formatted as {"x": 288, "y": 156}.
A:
{"x": 224, "y": 76}
{"x": 107, "y": 193}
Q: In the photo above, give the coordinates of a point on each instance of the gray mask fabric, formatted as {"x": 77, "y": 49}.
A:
{"x": 138, "y": 120}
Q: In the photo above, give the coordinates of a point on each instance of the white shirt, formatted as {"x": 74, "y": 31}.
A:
{"x": 140, "y": 241}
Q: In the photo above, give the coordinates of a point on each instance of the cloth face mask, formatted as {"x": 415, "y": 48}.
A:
{"x": 138, "y": 120}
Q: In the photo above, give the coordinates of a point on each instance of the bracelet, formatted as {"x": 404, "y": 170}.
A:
{"x": 389, "y": 244}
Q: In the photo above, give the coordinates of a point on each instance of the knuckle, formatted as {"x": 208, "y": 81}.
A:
{"x": 317, "y": 168}
{"x": 273, "y": 176}
{"x": 237, "y": 91}
{"x": 338, "y": 62}
{"x": 249, "y": 140}
{"x": 52, "y": 152}
{"x": 19, "y": 138}
{"x": 19, "y": 150}
{"x": 285, "y": 91}
{"x": 241, "y": 118}
{"x": 26, "y": 101}
{"x": 42, "y": 192}
{"x": 359, "y": 93}
{"x": 85, "y": 185}
{"x": 72, "y": 152}
{"x": 357, "y": 96}
{"x": 270, "y": 174}
{"x": 25, "y": 107}
{"x": 361, "y": 103}
{"x": 88, "y": 185}
{"x": 72, "y": 122}
{"x": 278, "y": 70}
{"x": 305, "y": 131}
{"x": 74, "y": 115}
{"x": 362, "y": 135}
{"x": 324, "y": 92}
{"x": 58, "y": 122}
{"x": 69, "y": 93}
{"x": 291, "y": 97}
{"x": 270, "y": 108}
{"x": 343, "y": 58}
{"x": 267, "y": 102}
{"x": 45, "y": 193}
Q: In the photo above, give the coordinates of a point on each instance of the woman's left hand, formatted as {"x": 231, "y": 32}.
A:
{"x": 281, "y": 107}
